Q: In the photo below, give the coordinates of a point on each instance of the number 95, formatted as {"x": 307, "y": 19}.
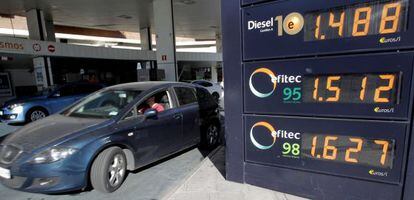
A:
{"x": 292, "y": 94}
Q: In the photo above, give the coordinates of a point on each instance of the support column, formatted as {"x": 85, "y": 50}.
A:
{"x": 146, "y": 44}
{"x": 214, "y": 73}
{"x": 144, "y": 67}
{"x": 145, "y": 35}
{"x": 164, "y": 26}
{"x": 41, "y": 28}
{"x": 219, "y": 49}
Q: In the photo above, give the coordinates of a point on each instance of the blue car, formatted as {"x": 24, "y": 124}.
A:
{"x": 102, "y": 137}
{"x": 28, "y": 109}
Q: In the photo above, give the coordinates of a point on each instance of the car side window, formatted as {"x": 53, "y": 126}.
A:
{"x": 185, "y": 95}
{"x": 131, "y": 114}
{"x": 205, "y": 99}
{"x": 159, "y": 101}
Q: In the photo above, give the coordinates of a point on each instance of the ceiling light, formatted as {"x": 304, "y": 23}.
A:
{"x": 186, "y": 2}
{"x": 125, "y": 16}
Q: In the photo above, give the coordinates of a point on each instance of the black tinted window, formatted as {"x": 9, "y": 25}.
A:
{"x": 203, "y": 83}
{"x": 205, "y": 99}
{"x": 185, "y": 95}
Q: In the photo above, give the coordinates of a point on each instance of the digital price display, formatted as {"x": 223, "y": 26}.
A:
{"x": 351, "y": 88}
{"x": 364, "y": 86}
{"x": 349, "y": 149}
{"x": 326, "y": 97}
{"x": 288, "y": 28}
{"x": 373, "y": 18}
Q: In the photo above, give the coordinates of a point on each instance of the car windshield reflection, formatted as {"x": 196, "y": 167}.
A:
{"x": 104, "y": 104}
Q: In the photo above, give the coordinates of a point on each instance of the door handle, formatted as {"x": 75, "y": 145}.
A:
{"x": 178, "y": 116}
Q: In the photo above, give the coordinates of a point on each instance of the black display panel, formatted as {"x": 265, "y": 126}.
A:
{"x": 297, "y": 28}
{"x": 372, "y": 18}
{"x": 362, "y": 86}
{"x": 360, "y": 149}
{"x": 350, "y": 88}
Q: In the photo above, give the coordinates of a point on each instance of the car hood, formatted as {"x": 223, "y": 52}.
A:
{"x": 24, "y": 100}
{"x": 48, "y": 130}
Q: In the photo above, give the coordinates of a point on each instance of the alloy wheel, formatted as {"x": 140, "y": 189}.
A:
{"x": 116, "y": 170}
{"x": 212, "y": 135}
{"x": 37, "y": 114}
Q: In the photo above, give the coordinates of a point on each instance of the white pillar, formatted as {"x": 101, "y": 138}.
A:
{"x": 219, "y": 49}
{"x": 41, "y": 28}
{"x": 146, "y": 44}
{"x": 145, "y": 36}
{"x": 214, "y": 73}
{"x": 164, "y": 27}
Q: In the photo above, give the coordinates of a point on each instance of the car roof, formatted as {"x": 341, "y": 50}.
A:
{"x": 147, "y": 85}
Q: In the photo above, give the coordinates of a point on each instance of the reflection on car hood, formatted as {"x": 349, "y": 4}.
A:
{"x": 24, "y": 100}
{"x": 48, "y": 130}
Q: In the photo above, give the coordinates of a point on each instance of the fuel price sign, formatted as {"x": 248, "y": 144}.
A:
{"x": 324, "y": 105}
{"x": 359, "y": 149}
{"x": 276, "y": 30}
{"x": 368, "y": 86}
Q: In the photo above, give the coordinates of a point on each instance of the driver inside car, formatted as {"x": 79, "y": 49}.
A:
{"x": 150, "y": 103}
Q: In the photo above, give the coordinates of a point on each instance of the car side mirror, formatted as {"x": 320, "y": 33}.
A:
{"x": 150, "y": 113}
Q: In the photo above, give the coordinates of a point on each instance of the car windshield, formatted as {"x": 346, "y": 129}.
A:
{"x": 104, "y": 104}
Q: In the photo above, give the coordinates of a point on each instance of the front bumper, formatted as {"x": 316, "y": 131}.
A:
{"x": 9, "y": 116}
{"x": 56, "y": 177}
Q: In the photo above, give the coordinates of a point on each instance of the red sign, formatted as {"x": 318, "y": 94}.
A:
{"x": 164, "y": 57}
{"x": 51, "y": 48}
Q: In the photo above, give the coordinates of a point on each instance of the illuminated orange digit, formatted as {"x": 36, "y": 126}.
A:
{"x": 315, "y": 91}
{"x": 357, "y": 149}
{"x": 313, "y": 150}
{"x": 364, "y": 21}
{"x": 331, "y": 88}
{"x": 363, "y": 89}
{"x": 389, "y": 87}
{"x": 339, "y": 24}
{"x": 390, "y": 18}
{"x": 327, "y": 147}
{"x": 318, "y": 29}
{"x": 385, "y": 145}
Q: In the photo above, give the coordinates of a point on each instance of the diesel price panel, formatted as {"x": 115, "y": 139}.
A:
{"x": 286, "y": 28}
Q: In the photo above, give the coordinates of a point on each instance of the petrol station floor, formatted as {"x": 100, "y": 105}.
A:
{"x": 208, "y": 183}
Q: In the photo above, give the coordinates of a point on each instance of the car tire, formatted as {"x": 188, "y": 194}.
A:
{"x": 210, "y": 136}
{"x": 216, "y": 97}
{"x": 35, "y": 114}
{"x": 108, "y": 170}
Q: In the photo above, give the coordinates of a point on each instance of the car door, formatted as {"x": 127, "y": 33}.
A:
{"x": 158, "y": 136}
{"x": 188, "y": 106}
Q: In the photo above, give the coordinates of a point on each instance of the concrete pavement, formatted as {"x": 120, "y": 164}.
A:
{"x": 208, "y": 183}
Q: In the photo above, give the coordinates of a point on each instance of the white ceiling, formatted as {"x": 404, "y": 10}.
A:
{"x": 199, "y": 19}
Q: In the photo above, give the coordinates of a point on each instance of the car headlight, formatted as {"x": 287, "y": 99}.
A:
{"x": 18, "y": 107}
{"x": 53, "y": 155}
